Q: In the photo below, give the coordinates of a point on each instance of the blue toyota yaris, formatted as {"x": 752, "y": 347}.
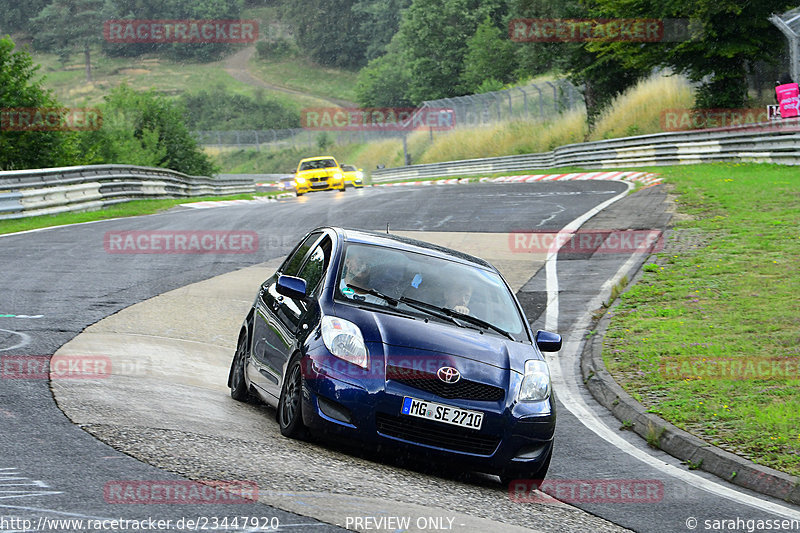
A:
{"x": 391, "y": 340}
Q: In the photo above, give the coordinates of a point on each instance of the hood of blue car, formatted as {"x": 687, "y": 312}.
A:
{"x": 427, "y": 339}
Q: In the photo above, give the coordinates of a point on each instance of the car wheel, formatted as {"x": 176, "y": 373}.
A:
{"x": 537, "y": 476}
{"x": 299, "y": 194}
{"x": 238, "y": 385}
{"x": 290, "y": 406}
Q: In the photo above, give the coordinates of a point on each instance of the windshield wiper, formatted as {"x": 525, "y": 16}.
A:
{"x": 482, "y": 323}
{"x": 453, "y": 315}
{"x": 373, "y": 292}
{"x": 444, "y": 313}
{"x": 415, "y": 304}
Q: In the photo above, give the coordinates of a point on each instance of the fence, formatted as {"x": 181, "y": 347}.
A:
{"x": 26, "y": 193}
{"x": 535, "y": 101}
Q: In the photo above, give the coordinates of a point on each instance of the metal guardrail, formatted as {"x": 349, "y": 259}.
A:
{"x": 769, "y": 142}
{"x": 25, "y": 193}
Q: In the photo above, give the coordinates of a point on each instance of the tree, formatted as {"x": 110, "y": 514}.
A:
{"x": 329, "y": 31}
{"x": 490, "y": 56}
{"x": 434, "y": 34}
{"x": 724, "y": 38}
{"x": 20, "y": 89}
{"x": 66, "y": 24}
{"x": 380, "y": 20}
{"x": 15, "y": 15}
{"x": 384, "y": 81}
{"x": 600, "y": 76}
{"x": 143, "y": 128}
{"x": 172, "y": 10}
{"x": 219, "y": 110}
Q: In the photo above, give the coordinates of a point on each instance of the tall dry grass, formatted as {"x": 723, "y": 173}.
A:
{"x": 508, "y": 138}
{"x": 638, "y": 110}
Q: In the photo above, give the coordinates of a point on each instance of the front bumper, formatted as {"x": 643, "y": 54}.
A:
{"x": 354, "y": 404}
{"x": 323, "y": 184}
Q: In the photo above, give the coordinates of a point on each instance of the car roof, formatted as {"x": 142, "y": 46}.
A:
{"x": 411, "y": 245}
{"x": 318, "y": 157}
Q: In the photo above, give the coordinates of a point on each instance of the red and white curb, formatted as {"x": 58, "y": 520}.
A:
{"x": 647, "y": 178}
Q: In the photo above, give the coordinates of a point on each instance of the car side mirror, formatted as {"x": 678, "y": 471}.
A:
{"x": 548, "y": 341}
{"x": 291, "y": 286}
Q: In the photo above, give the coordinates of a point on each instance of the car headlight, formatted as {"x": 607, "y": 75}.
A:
{"x": 300, "y": 180}
{"x": 343, "y": 339}
{"x": 337, "y": 176}
{"x": 359, "y": 175}
{"x": 536, "y": 383}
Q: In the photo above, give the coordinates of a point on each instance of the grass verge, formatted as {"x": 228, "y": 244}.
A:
{"x": 709, "y": 339}
{"x": 128, "y": 209}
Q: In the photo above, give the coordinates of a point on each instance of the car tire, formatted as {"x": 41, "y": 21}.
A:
{"x": 299, "y": 194}
{"x": 290, "y": 405}
{"x": 237, "y": 382}
{"x": 537, "y": 476}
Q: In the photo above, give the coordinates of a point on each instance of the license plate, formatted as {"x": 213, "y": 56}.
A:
{"x": 448, "y": 414}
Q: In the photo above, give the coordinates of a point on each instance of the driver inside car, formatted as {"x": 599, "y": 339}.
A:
{"x": 458, "y": 297}
{"x": 356, "y": 273}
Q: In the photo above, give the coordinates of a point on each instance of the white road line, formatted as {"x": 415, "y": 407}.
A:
{"x": 565, "y": 364}
{"x": 551, "y": 316}
{"x": 25, "y": 340}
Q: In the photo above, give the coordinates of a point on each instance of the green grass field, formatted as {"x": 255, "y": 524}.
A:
{"x": 167, "y": 77}
{"x": 709, "y": 339}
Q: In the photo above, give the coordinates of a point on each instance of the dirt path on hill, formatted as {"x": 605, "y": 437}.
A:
{"x": 237, "y": 66}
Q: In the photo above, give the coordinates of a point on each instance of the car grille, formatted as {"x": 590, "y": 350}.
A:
{"x": 463, "y": 389}
{"x": 437, "y": 434}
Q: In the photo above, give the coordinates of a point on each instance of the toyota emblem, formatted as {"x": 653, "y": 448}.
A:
{"x": 448, "y": 374}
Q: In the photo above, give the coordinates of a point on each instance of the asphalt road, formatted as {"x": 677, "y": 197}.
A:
{"x": 57, "y": 470}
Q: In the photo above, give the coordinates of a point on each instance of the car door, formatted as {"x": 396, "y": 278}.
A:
{"x": 300, "y": 316}
{"x": 272, "y": 339}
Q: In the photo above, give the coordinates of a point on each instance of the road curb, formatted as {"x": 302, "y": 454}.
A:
{"x": 675, "y": 441}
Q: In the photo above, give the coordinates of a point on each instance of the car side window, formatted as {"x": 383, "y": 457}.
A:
{"x": 291, "y": 266}
{"x": 314, "y": 268}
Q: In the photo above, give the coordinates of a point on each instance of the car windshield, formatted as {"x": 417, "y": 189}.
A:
{"x": 317, "y": 164}
{"x": 416, "y": 283}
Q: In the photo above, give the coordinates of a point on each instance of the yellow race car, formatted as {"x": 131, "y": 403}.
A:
{"x": 353, "y": 176}
{"x": 320, "y": 173}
